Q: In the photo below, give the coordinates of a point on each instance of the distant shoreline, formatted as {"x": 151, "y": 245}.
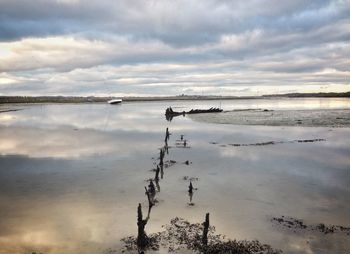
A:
{"x": 93, "y": 99}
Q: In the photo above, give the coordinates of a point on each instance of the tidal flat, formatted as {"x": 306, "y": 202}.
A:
{"x": 72, "y": 175}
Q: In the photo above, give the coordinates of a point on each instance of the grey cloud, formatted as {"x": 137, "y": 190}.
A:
{"x": 173, "y": 22}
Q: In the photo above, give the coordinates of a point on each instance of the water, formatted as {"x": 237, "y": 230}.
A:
{"x": 72, "y": 175}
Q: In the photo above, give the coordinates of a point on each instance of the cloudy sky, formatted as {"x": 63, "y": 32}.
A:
{"x": 171, "y": 47}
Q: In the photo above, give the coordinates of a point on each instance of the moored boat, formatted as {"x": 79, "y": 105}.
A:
{"x": 115, "y": 101}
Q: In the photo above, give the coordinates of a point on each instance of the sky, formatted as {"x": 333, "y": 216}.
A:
{"x": 173, "y": 47}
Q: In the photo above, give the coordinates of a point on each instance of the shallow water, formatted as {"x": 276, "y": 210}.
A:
{"x": 72, "y": 175}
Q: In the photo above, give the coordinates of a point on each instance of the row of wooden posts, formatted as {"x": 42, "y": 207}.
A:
{"x": 150, "y": 191}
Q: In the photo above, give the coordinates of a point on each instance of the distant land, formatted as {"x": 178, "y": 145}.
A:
{"x": 93, "y": 99}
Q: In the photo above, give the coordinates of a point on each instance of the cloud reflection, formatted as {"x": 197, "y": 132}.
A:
{"x": 71, "y": 177}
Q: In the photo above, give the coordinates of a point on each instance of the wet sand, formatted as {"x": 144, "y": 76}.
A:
{"x": 306, "y": 118}
{"x": 72, "y": 176}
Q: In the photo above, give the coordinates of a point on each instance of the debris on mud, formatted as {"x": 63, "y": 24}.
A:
{"x": 169, "y": 163}
{"x": 192, "y": 179}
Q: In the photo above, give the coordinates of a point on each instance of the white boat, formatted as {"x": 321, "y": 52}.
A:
{"x": 115, "y": 101}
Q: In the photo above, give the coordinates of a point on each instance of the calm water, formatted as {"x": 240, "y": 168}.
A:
{"x": 71, "y": 176}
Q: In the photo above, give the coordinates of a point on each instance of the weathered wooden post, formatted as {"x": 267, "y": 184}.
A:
{"x": 167, "y": 134}
{"x": 161, "y": 172}
{"x": 141, "y": 223}
{"x": 156, "y": 178}
{"x": 151, "y": 188}
{"x": 190, "y": 188}
{"x": 161, "y": 157}
{"x": 149, "y": 197}
{"x": 166, "y": 147}
{"x": 205, "y": 230}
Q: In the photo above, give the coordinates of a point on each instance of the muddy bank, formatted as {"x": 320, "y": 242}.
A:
{"x": 306, "y": 118}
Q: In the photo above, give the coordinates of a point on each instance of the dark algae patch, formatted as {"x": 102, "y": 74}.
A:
{"x": 296, "y": 224}
{"x": 9, "y": 110}
{"x": 181, "y": 234}
{"x": 271, "y": 142}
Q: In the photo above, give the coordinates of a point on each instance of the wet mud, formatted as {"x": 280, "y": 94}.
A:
{"x": 297, "y": 224}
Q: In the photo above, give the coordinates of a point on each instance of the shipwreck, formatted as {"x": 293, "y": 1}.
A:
{"x": 170, "y": 113}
